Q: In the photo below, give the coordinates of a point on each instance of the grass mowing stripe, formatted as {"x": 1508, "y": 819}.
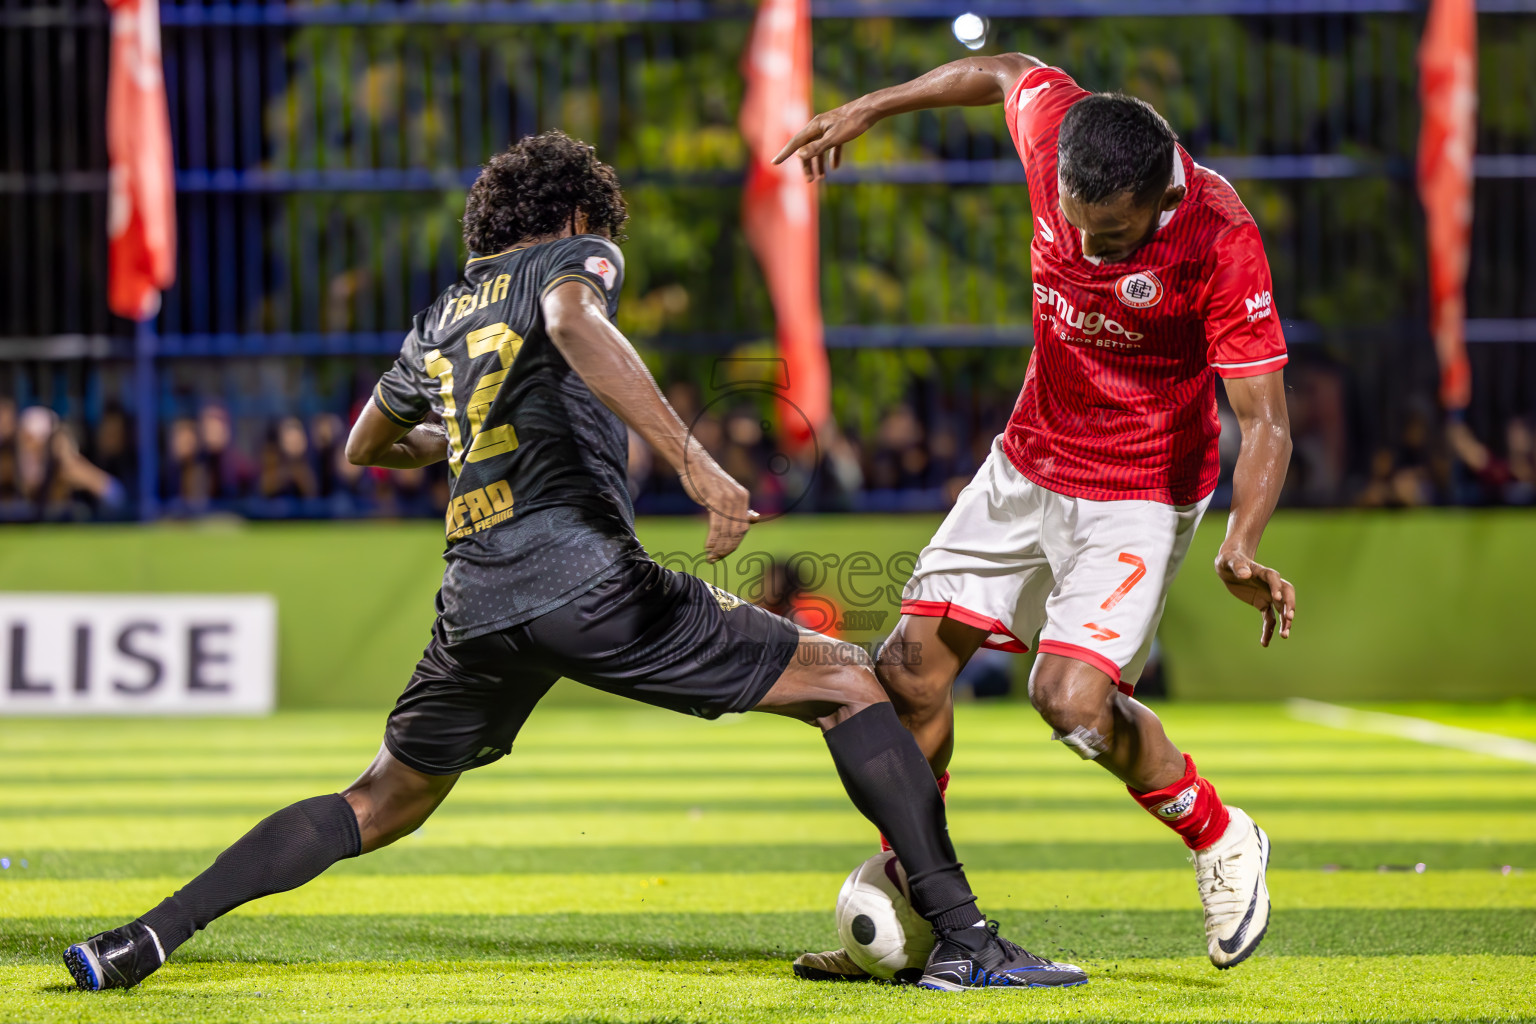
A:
{"x": 1420, "y": 730}
{"x": 958, "y": 807}
{"x": 592, "y": 828}
{"x": 769, "y": 891}
{"x": 582, "y": 937}
{"x": 416, "y": 858}
{"x": 510, "y": 788}
{"x": 605, "y": 964}
{"x": 1265, "y": 989}
{"x": 519, "y": 774}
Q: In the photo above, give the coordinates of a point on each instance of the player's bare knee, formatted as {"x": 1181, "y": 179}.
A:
{"x": 392, "y": 819}
{"x": 846, "y": 684}
{"x": 387, "y": 812}
{"x": 902, "y": 674}
{"x": 1081, "y": 716}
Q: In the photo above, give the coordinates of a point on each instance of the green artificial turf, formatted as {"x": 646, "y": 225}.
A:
{"x": 628, "y": 865}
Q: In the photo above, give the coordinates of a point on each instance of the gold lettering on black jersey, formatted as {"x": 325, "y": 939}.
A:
{"x": 499, "y": 291}
{"x": 488, "y": 442}
{"x": 500, "y": 493}
{"x": 463, "y": 306}
{"x": 478, "y": 510}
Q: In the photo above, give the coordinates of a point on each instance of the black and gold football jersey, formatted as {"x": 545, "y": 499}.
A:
{"x": 539, "y": 512}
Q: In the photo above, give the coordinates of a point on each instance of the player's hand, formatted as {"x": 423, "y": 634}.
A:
{"x": 728, "y": 504}
{"x": 820, "y": 142}
{"x": 1262, "y": 587}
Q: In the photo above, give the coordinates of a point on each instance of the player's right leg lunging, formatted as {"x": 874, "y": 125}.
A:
{"x": 284, "y": 851}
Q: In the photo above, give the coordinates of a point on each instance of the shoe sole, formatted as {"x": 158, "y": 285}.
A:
{"x": 807, "y": 973}
{"x": 940, "y": 985}
{"x": 1248, "y": 950}
{"x": 83, "y": 967}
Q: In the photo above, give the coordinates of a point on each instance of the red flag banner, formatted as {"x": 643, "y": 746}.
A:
{"x": 141, "y": 209}
{"x": 778, "y": 211}
{"x": 1447, "y": 140}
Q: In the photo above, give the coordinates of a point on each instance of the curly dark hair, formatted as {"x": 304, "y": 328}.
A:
{"x": 1111, "y": 143}
{"x": 535, "y": 187}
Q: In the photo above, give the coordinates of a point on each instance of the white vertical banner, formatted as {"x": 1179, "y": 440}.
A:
{"x": 155, "y": 654}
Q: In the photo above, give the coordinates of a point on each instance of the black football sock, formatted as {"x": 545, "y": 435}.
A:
{"x": 282, "y": 852}
{"x": 891, "y": 784}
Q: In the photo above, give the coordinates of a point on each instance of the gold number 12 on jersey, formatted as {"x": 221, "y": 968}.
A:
{"x": 484, "y": 443}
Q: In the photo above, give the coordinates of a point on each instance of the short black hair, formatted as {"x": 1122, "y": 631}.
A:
{"x": 1111, "y": 143}
{"x": 535, "y": 187}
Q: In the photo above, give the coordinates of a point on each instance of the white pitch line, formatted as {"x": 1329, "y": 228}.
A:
{"x": 1421, "y": 729}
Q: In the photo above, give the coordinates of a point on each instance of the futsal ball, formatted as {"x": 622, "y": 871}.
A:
{"x": 875, "y": 919}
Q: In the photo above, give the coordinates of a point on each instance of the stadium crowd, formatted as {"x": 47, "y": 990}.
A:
{"x": 917, "y": 457}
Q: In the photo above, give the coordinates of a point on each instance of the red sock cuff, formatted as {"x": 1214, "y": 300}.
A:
{"x": 1157, "y": 796}
{"x": 1189, "y": 806}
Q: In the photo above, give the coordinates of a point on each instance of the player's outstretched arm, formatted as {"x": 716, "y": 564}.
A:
{"x": 1259, "y": 403}
{"x": 969, "y": 82}
{"x": 377, "y": 440}
{"x": 609, "y": 365}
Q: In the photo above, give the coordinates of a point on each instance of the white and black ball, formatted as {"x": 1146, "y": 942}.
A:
{"x": 877, "y": 924}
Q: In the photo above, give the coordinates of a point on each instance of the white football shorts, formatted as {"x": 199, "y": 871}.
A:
{"x": 1089, "y": 577}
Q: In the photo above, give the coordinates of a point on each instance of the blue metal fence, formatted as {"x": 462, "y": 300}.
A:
{"x": 322, "y": 150}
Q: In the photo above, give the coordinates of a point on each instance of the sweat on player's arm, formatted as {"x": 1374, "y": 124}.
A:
{"x": 1259, "y": 404}
{"x": 610, "y": 367}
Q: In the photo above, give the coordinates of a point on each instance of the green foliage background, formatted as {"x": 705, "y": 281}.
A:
{"x": 660, "y": 102}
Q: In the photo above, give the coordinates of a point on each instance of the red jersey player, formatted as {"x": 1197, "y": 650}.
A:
{"x": 1149, "y": 282}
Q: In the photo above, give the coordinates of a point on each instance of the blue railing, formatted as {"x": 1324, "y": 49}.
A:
{"x": 309, "y": 170}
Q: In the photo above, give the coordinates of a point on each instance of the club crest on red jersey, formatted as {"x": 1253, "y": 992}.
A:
{"x": 1139, "y": 290}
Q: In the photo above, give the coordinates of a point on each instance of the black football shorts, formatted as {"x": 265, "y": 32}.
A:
{"x": 662, "y": 637}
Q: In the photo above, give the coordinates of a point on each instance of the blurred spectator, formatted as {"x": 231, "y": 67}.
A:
{"x": 9, "y": 488}
{"x": 328, "y": 435}
{"x": 1404, "y": 478}
{"x": 407, "y": 493}
{"x": 184, "y": 478}
{"x": 918, "y": 456}
{"x": 1521, "y": 439}
{"x": 115, "y": 451}
{"x": 287, "y": 470}
{"x": 230, "y": 473}
{"x": 51, "y": 474}
{"x": 1320, "y": 438}
{"x": 900, "y": 457}
{"x": 1508, "y": 479}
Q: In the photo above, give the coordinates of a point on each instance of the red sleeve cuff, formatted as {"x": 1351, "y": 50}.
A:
{"x": 1251, "y": 368}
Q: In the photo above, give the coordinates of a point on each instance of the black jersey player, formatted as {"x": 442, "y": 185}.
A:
{"x": 534, "y": 387}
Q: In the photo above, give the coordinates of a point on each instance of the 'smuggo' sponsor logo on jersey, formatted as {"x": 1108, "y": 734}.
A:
{"x": 1259, "y": 306}
{"x": 1139, "y": 291}
{"x": 1091, "y": 324}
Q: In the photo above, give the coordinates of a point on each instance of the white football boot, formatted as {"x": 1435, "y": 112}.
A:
{"x": 1230, "y": 873}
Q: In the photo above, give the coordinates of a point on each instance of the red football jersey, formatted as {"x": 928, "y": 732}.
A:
{"x": 1120, "y": 398}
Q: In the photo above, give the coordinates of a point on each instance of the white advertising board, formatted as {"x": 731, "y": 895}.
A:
{"x": 119, "y": 654}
